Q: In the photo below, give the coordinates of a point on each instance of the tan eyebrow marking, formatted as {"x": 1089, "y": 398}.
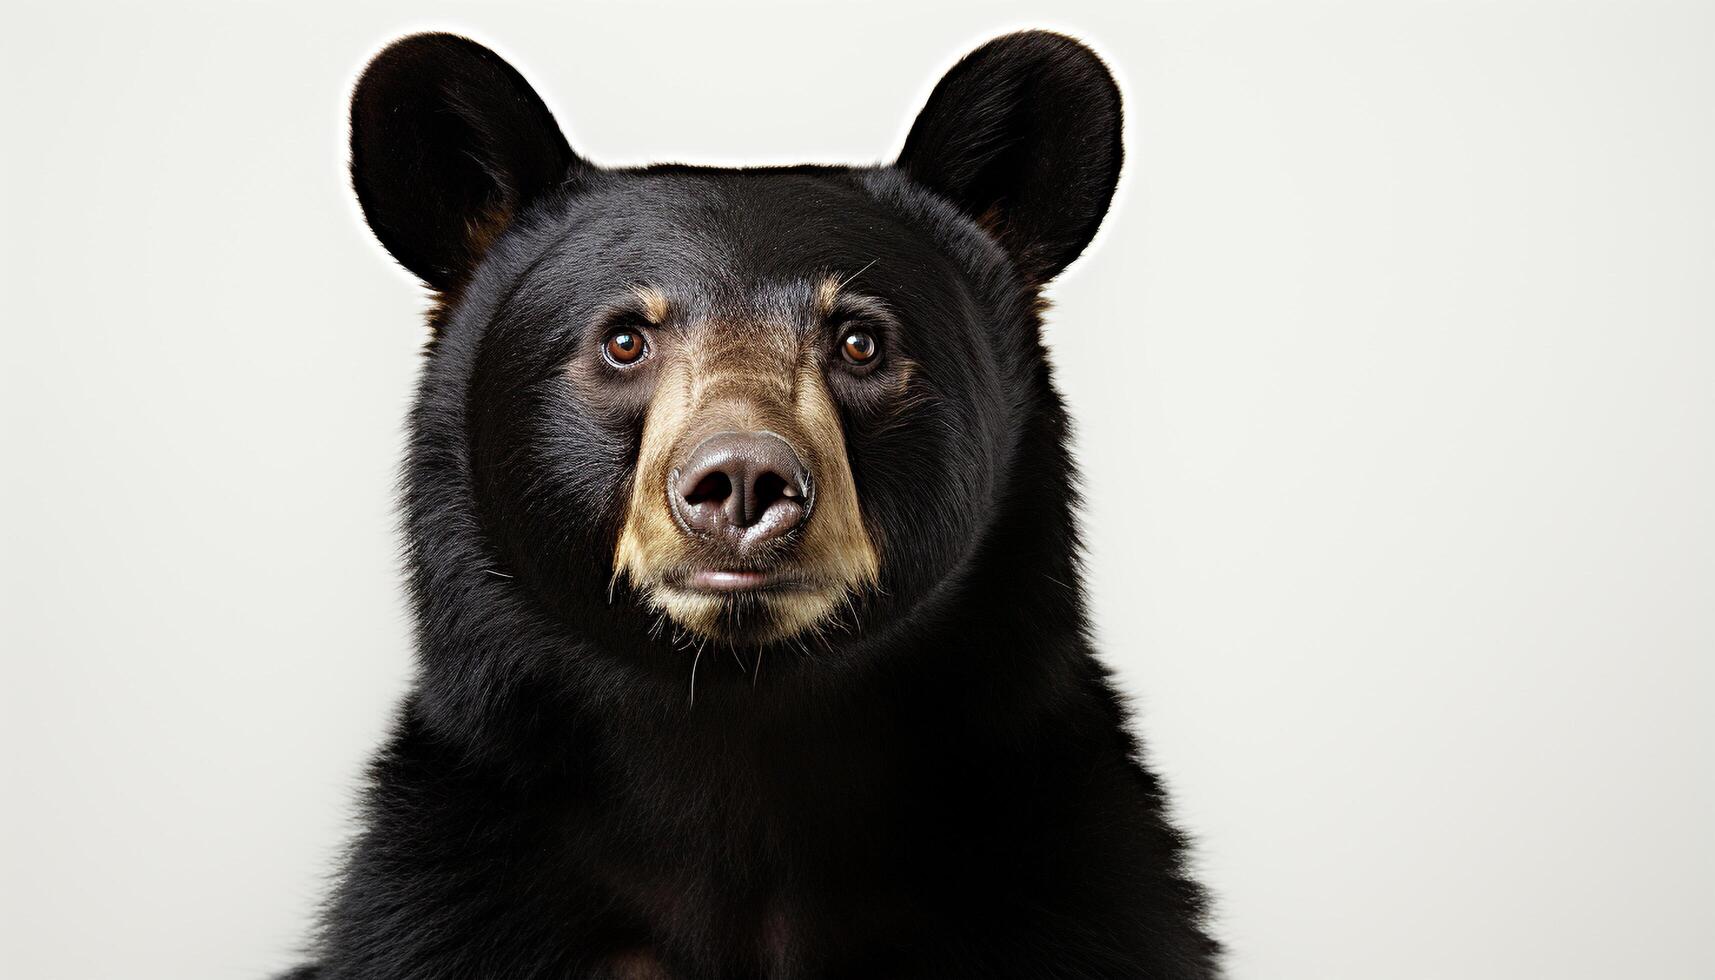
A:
{"x": 654, "y": 303}
{"x": 828, "y": 290}
{"x": 827, "y": 296}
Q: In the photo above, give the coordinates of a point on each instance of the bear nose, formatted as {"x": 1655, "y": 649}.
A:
{"x": 748, "y": 486}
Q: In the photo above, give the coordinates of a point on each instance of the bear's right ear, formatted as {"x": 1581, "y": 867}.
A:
{"x": 448, "y": 144}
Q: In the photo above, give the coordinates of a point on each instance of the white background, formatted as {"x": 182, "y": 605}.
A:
{"x": 1392, "y": 371}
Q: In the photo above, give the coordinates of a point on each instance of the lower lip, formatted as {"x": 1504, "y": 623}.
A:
{"x": 710, "y": 580}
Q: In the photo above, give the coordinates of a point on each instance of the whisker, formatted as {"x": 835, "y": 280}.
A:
{"x": 847, "y": 280}
{"x": 694, "y": 661}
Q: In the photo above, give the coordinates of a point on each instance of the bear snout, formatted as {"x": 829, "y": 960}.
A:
{"x": 741, "y": 488}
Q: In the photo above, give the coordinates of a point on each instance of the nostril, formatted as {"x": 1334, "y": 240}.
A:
{"x": 770, "y": 486}
{"x": 712, "y": 488}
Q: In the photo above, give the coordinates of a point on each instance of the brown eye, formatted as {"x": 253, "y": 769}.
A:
{"x": 624, "y": 347}
{"x": 859, "y": 346}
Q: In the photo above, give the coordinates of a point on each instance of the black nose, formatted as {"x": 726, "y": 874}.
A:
{"x": 747, "y": 486}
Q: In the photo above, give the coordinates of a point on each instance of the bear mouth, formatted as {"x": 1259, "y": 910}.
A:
{"x": 740, "y": 602}
{"x": 734, "y": 581}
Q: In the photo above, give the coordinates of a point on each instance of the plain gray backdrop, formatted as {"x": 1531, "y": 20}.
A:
{"x": 1392, "y": 373}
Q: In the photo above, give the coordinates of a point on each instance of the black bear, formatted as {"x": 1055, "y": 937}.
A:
{"x": 742, "y": 550}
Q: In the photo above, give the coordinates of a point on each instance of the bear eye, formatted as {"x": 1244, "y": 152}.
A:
{"x": 624, "y": 346}
{"x": 859, "y": 347}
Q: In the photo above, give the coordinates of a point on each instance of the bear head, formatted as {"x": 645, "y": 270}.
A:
{"x": 750, "y": 407}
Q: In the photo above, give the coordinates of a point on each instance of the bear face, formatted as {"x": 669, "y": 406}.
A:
{"x": 741, "y": 406}
{"x": 738, "y": 341}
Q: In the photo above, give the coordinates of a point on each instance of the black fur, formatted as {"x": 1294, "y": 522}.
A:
{"x": 941, "y": 785}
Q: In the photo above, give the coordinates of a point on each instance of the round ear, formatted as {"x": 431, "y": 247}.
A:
{"x": 448, "y": 144}
{"x": 1023, "y": 135}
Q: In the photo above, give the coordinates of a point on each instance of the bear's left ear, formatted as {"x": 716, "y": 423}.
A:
{"x": 1024, "y": 136}
{"x": 448, "y": 144}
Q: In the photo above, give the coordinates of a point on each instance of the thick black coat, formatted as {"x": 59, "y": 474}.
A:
{"x": 939, "y": 784}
